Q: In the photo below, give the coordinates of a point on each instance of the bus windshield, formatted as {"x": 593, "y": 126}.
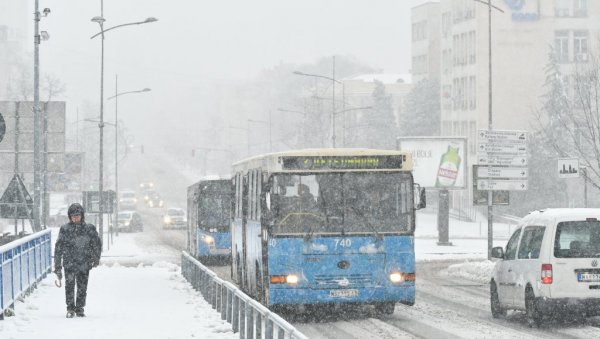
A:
{"x": 342, "y": 203}
{"x": 214, "y": 211}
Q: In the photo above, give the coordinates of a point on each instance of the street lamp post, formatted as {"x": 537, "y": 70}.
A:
{"x": 37, "y": 119}
{"x": 116, "y": 97}
{"x": 100, "y": 20}
{"x": 334, "y": 81}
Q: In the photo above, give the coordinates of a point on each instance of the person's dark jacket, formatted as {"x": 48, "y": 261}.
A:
{"x": 78, "y": 247}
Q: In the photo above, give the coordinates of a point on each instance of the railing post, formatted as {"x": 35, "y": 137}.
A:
{"x": 223, "y": 302}
{"x": 235, "y": 312}
{"x": 229, "y": 306}
{"x": 268, "y": 328}
{"x": 249, "y": 321}
{"x": 243, "y": 318}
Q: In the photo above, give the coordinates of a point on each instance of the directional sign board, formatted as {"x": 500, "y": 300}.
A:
{"x": 501, "y": 185}
{"x": 501, "y": 172}
{"x": 568, "y": 168}
{"x": 502, "y": 144}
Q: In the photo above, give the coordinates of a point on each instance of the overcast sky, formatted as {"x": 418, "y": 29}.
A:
{"x": 195, "y": 43}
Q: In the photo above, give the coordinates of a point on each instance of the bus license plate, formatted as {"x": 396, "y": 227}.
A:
{"x": 588, "y": 277}
{"x": 343, "y": 293}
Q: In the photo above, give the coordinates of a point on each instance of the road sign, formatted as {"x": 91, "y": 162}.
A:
{"x": 501, "y": 172}
{"x": 503, "y": 136}
{"x": 498, "y": 148}
{"x": 502, "y": 160}
{"x": 568, "y": 168}
{"x": 502, "y": 185}
{"x": 16, "y": 203}
{"x": 481, "y": 197}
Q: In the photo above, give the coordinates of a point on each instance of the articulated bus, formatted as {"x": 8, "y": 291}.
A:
{"x": 209, "y": 207}
{"x": 326, "y": 227}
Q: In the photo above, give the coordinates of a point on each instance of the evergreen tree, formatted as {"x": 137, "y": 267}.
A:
{"x": 378, "y": 124}
{"x": 422, "y": 112}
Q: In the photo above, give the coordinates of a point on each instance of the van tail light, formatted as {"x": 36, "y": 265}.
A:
{"x": 546, "y": 273}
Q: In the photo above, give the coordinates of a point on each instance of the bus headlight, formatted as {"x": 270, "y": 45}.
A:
{"x": 401, "y": 277}
{"x": 282, "y": 279}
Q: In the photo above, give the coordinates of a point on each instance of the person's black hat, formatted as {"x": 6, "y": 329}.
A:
{"x": 75, "y": 209}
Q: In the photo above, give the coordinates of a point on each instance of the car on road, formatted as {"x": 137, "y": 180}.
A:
{"x": 130, "y": 221}
{"x": 154, "y": 200}
{"x": 174, "y": 218}
{"x": 127, "y": 201}
{"x": 551, "y": 265}
{"x": 146, "y": 185}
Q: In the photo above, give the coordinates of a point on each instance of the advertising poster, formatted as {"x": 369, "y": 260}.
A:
{"x": 438, "y": 162}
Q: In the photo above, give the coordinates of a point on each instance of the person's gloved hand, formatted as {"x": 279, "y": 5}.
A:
{"x": 58, "y": 274}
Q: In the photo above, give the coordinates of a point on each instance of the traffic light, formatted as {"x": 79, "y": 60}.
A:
{"x": 142, "y": 149}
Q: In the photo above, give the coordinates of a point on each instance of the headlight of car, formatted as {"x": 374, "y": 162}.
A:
{"x": 167, "y": 219}
{"x": 208, "y": 239}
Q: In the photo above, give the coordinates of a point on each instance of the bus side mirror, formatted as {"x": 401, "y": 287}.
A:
{"x": 422, "y": 200}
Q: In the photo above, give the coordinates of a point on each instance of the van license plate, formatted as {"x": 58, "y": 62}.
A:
{"x": 343, "y": 293}
{"x": 588, "y": 277}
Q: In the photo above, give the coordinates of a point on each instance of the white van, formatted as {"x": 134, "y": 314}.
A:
{"x": 551, "y": 265}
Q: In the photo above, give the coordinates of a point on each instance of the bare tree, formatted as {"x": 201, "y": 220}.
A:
{"x": 570, "y": 117}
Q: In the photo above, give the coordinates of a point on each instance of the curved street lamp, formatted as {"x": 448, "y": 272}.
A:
{"x": 100, "y": 20}
{"x": 333, "y": 81}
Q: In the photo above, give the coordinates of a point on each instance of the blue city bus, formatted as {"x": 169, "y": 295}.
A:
{"x": 209, "y": 207}
{"x": 326, "y": 227}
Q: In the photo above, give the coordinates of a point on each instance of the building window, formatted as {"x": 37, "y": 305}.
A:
{"x": 580, "y": 46}
{"x": 472, "y": 93}
{"x": 562, "y": 8}
{"x": 580, "y": 8}
{"x": 561, "y": 46}
{"x": 446, "y": 24}
{"x": 419, "y": 31}
{"x": 472, "y": 47}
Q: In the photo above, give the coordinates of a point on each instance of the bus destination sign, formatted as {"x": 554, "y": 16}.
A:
{"x": 316, "y": 163}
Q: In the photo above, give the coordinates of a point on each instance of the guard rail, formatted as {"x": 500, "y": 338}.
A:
{"x": 23, "y": 263}
{"x": 246, "y": 316}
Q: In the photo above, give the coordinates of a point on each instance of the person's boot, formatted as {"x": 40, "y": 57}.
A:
{"x": 80, "y": 312}
{"x": 70, "y": 314}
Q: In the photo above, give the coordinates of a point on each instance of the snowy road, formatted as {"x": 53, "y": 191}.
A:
{"x": 446, "y": 307}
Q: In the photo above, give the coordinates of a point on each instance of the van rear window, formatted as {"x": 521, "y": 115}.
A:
{"x": 577, "y": 239}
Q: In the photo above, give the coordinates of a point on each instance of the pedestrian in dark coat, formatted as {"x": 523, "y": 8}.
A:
{"x": 77, "y": 250}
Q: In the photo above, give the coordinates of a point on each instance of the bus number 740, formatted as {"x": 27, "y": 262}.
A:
{"x": 343, "y": 242}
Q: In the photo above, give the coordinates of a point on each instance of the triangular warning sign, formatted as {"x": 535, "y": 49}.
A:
{"x": 16, "y": 203}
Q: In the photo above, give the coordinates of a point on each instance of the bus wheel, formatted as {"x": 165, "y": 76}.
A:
{"x": 386, "y": 307}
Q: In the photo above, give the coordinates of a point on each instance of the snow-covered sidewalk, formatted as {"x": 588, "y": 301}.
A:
{"x": 152, "y": 301}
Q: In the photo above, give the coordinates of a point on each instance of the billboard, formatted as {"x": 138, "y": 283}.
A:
{"x": 438, "y": 162}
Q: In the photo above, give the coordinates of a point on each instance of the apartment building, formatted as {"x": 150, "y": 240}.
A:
{"x": 13, "y": 36}
{"x": 525, "y": 36}
{"x": 425, "y": 45}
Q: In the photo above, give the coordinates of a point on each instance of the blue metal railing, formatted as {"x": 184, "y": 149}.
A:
{"x": 23, "y": 263}
{"x": 247, "y": 316}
